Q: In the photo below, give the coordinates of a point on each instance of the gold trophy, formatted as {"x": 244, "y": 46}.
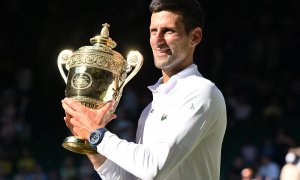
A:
{"x": 96, "y": 74}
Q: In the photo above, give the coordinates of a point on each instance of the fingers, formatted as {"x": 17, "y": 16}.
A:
{"x": 67, "y": 115}
{"x": 72, "y": 107}
{"x": 112, "y": 117}
{"x": 73, "y": 104}
{"x": 108, "y": 113}
{"x": 67, "y": 121}
{"x": 73, "y": 126}
{"x": 69, "y": 110}
{"x": 81, "y": 121}
{"x": 79, "y": 129}
{"x": 109, "y": 119}
{"x": 108, "y": 106}
{"x": 69, "y": 125}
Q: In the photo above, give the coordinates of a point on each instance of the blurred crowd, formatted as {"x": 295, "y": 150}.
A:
{"x": 249, "y": 50}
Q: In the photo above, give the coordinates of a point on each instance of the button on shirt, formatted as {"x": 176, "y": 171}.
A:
{"x": 179, "y": 134}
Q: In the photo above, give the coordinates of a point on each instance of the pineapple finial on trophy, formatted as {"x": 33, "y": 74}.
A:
{"x": 104, "y": 39}
{"x": 105, "y": 30}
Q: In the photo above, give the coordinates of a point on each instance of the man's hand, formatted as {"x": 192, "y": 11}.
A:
{"x": 82, "y": 120}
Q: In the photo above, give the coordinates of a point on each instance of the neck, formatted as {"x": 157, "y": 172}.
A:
{"x": 167, "y": 74}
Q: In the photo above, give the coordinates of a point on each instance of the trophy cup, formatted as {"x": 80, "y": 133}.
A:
{"x": 96, "y": 75}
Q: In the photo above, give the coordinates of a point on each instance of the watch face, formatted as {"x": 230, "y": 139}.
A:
{"x": 94, "y": 137}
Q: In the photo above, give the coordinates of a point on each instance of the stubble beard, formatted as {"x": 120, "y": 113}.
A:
{"x": 168, "y": 62}
{"x": 163, "y": 63}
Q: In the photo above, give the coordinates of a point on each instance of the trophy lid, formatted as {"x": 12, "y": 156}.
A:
{"x": 100, "y": 55}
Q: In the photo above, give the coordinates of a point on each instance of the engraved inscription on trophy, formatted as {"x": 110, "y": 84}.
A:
{"x": 81, "y": 81}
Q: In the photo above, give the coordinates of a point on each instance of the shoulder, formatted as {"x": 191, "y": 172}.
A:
{"x": 197, "y": 86}
{"x": 201, "y": 91}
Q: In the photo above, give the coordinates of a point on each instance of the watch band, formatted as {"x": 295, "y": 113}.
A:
{"x": 96, "y": 137}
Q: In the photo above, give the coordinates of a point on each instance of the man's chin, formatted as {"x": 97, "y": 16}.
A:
{"x": 161, "y": 65}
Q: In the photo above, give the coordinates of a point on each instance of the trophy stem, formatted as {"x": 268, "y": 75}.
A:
{"x": 77, "y": 145}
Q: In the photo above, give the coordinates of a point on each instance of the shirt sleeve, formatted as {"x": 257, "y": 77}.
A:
{"x": 127, "y": 160}
{"x": 109, "y": 171}
{"x": 187, "y": 125}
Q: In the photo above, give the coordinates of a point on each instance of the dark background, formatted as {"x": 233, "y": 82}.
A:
{"x": 249, "y": 49}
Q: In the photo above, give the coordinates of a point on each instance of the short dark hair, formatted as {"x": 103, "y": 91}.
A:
{"x": 191, "y": 11}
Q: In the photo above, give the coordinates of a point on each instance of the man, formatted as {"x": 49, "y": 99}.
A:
{"x": 180, "y": 133}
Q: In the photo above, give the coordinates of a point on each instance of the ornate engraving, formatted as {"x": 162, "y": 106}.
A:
{"x": 89, "y": 102}
{"x": 81, "y": 81}
{"x": 103, "y": 61}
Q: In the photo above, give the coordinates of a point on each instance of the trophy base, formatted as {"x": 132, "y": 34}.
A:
{"x": 77, "y": 145}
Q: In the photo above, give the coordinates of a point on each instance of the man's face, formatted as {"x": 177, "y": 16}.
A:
{"x": 169, "y": 41}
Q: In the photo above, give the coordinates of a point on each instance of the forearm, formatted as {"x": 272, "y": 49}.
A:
{"x": 97, "y": 160}
{"x": 108, "y": 169}
{"x": 127, "y": 159}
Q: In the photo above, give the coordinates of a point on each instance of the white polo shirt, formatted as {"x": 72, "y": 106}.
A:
{"x": 179, "y": 135}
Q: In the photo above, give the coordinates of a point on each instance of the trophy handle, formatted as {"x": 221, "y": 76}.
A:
{"x": 134, "y": 59}
{"x": 62, "y": 59}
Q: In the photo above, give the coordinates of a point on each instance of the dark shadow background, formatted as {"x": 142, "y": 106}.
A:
{"x": 250, "y": 50}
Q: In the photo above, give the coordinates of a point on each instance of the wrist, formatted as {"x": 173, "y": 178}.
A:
{"x": 96, "y": 137}
{"x": 97, "y": 160}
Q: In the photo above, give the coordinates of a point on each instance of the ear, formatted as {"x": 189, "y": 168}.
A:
{"x": 196, "y": 36}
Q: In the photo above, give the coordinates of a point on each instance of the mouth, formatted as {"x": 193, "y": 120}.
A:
{"x": 163, "y": 51}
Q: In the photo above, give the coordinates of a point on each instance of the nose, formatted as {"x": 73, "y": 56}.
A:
{"x": 159, "y": 38}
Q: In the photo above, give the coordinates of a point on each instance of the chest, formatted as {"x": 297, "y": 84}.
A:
{"x": 159, "y": 121}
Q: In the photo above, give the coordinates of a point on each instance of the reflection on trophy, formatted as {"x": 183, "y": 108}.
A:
{"x": 96, "y": 75}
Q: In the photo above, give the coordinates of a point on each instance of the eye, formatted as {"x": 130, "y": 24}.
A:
{"x": 153, "y": 31}
{"x": 168, "y": 31}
